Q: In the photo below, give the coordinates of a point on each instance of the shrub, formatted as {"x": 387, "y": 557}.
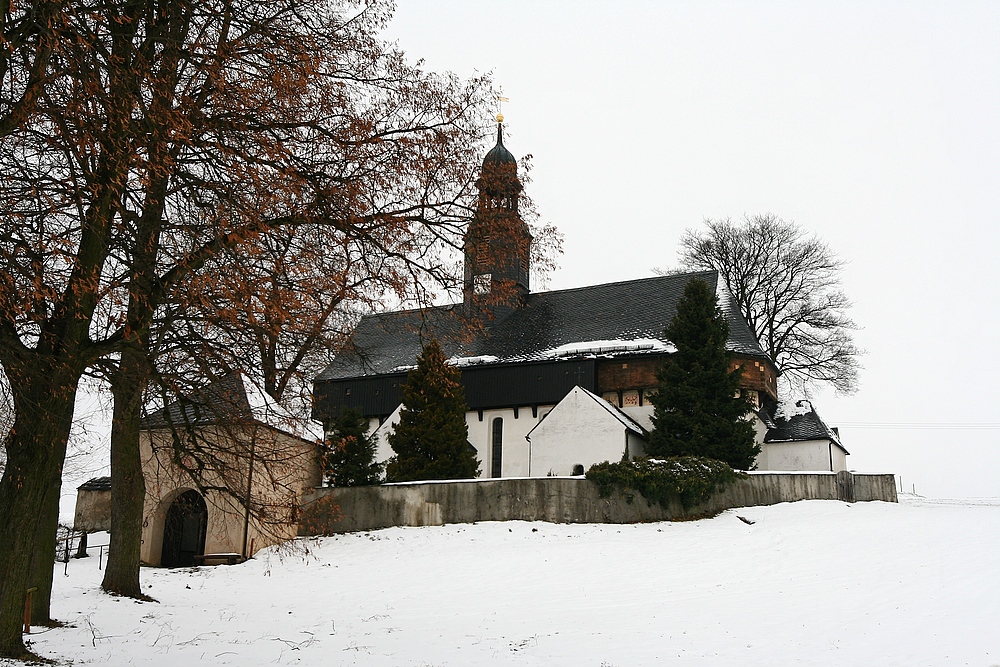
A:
{"x": 349, "y": 455}
{"x": 692, "y": 478}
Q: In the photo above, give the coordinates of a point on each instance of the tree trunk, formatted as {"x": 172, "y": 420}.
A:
{"x": 128, "y": 488}
{"x": 43, "y": 557}
{"x": 36, "y": 447}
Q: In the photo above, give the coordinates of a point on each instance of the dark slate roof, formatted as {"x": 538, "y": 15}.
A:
{"x": 225, "y": 399}
{"x": 231, "y": 399}
{"x": 96, "y": 484}
{"x": 624, "y": 311}
{"x": 806, "y": 425}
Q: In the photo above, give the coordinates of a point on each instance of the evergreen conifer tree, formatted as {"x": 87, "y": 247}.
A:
{"x": 695, "y": 412}
{"x": 431, "y": 440}
{"x": 349, "y": 456}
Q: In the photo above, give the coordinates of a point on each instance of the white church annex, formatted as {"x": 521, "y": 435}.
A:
{"x": 586, "y": 358}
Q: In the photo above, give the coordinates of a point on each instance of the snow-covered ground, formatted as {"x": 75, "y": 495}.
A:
{"x": 809, "y": 583}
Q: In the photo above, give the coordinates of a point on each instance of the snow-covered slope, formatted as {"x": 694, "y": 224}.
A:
{"x": 809, "y": 583}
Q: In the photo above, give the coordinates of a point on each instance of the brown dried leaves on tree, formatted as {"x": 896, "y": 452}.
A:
{"x": 239, "y": 170}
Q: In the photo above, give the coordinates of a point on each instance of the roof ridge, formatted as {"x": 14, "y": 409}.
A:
{"x": 626, "y": 282}
{"x": 445, "y": 306}
{"x": 449, "y": 306}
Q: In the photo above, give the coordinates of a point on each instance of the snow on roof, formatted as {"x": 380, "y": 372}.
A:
{"x": 590, "y": 348}
{"x": 788, "y": 409}
{"x": 268, "y": 411}
{"x": 613, "y": 319}
{"x": 462, "y": 362}
{"x": 602, "y": 347}
{"x": 797, "y": 422}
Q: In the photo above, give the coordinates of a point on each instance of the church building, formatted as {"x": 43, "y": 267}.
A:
{"x": 584, "y": 358}
{"x": 554, "y": 381}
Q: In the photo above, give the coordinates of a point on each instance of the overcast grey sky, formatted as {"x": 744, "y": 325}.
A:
{"x": 874, "y": 125}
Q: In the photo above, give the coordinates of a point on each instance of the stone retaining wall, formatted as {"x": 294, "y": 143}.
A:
{"x": 559, "y": 500}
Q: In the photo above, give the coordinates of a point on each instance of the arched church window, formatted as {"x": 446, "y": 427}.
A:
{"x": 497, "y": 462}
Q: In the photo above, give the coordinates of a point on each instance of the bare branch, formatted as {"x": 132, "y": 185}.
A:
{"x": 787, "y": 285}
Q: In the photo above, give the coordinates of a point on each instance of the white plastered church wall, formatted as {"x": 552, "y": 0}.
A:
{"x": 514, "y": 446}
{"x": 383, "y": 450}
{"x": 590, "y": 435}
{"x": 802, "y": 456}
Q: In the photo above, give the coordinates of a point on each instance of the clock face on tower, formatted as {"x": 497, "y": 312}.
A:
{"x": 483, "y": 283}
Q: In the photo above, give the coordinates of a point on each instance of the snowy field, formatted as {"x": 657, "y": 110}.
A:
{"x": 809, "y": 583}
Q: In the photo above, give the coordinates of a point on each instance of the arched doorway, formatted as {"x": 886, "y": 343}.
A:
{"x": 184, "y": 530}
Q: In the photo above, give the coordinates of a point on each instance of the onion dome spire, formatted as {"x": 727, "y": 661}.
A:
{"x": 499, "y": 153}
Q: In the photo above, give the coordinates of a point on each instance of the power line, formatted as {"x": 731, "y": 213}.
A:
{"x": 939, "y": 426}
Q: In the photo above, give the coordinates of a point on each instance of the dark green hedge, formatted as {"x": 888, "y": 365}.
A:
{"x": 693, "y": 478}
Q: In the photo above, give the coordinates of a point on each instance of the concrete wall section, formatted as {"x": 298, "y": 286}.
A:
{"x": 565, "y": 500}
{"x": 873, "y": 487}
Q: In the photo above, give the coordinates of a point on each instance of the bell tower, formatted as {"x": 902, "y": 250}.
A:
{"x": 497, "y": 242}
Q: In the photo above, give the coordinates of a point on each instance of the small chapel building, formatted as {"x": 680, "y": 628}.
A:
{"x": 586, "y": 356}
{"x": 225, "y": 469}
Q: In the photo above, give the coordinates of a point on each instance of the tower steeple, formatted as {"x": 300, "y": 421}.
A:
{"x": 497, "y": 242}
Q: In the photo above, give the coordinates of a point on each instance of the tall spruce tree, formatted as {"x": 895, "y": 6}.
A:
{"x": 349, "y": 455}
{"x": 431, "y": 438}
{"x": 696, "y": 411}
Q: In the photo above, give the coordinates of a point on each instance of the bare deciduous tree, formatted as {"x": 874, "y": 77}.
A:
{"x": 142, "y": 139}
{"x": 787, "y": 284}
